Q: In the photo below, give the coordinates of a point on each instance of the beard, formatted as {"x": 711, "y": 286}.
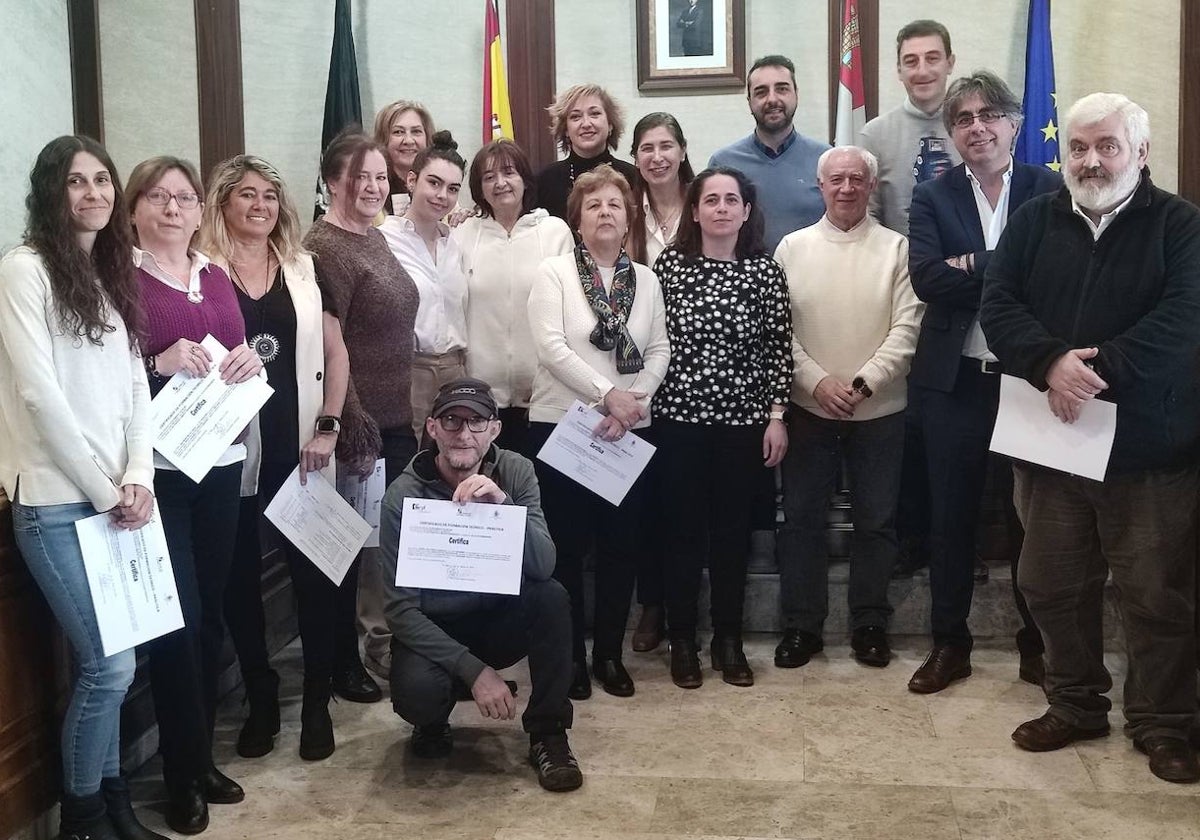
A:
{"x": 1102, "y": 194}
{"x": 781, "y": 119}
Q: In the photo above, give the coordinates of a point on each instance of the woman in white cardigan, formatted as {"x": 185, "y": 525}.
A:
{"x": 77, "y": 439}
{"x": 599, "y": 327}
{"x": 501, "y": 249}
{"x": 250, "y": 228}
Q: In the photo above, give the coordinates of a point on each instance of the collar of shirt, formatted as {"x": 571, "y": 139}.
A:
{"x": 1106, "y": 219}
{"x": 410, "y": 226}
{"x": 773, "y": 153}
{"x": 149, "y": 263}
{"x": 992, "y": 219}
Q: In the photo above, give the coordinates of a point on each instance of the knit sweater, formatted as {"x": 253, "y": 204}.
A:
{"x": 570, "y": 367}
{"x": 854, "y": 312}
{"x": 170, "y": 316}
{"x": 895, "y": 139}
{"x": 786, "y": 185}
{"x": 500, "y": 267}
{"x": 555, "y": 182}
{"x": 377, "y": 303}
{"x": 75, "y": 415}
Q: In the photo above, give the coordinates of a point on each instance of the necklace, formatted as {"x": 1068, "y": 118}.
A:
{"x": 265, "y": 343}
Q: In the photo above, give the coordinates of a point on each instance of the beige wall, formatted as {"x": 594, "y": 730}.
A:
{"x": 35, "y": 99}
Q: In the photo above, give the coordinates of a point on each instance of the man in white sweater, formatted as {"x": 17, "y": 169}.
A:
{"x": 855, "y": 321}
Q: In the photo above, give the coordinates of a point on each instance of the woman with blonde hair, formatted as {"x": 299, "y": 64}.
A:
{"x": 403, "y": 128}
{"x": 250, "y": 227}
{"x": 587, "y": 124}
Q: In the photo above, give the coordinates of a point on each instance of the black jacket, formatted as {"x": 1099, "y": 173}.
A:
{"x": 944, "y": 222}
{"x": 1134, "y": 294}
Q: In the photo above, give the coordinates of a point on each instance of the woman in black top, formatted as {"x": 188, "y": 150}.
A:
{"x": 587, "y": 124}
{"x": 719, "y": 410}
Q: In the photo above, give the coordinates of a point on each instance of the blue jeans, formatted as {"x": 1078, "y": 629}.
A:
{"x": 91, "y": 732}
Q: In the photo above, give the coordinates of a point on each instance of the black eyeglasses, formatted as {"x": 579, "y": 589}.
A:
{"x": 161, "y": 198}
{"x": 966, "y": 119}
{"x": 454, "y": 423}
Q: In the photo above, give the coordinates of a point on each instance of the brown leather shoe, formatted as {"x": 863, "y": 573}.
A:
{"x": 943, "y": 665}
{"x": 1050, "y": 732}
{"x": 651, "y": 628}
{"x": 1171, "y": 759}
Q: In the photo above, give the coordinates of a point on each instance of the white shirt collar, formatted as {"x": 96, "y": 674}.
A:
{"x": 1007, "y": 173}
{"x": 1106, "y": 219}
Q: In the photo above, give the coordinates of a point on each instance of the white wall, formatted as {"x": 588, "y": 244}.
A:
{"x": 35, "y": 99}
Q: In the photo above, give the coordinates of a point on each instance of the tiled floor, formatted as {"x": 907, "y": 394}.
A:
{"x": 832, "y": 751}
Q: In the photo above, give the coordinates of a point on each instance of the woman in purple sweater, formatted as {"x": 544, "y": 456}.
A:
{"x": 185, "y": 298}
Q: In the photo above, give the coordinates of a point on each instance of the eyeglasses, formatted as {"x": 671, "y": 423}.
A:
{"x": 454, "y": 423}
{"x": 161, "y": 198}
{"x": 966, "y": 118}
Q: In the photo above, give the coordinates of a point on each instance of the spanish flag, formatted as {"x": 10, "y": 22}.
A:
{"x": 497, "y": 115}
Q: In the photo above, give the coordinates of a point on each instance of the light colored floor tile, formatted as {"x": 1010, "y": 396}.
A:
{"x": 1037, "y": 815}
{"x": 1116, "y": 766}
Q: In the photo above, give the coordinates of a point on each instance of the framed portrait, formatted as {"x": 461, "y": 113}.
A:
{"x": 691, "y": 44}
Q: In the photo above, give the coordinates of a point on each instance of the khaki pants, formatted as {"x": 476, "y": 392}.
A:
{"x": 429, "y": 373}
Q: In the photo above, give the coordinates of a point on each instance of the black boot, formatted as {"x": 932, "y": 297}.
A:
{"x": 120, "y": 811}
{"x": 85, "y": 818}
{"x": 316, "y": 727}
{"x": 257, "y": 737}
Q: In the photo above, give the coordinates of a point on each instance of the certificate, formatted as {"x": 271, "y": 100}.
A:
{"x": 197, "y": 418}
{"x": 1026, "y": 429}
{"x": 131, "y": 579}
{"x": 474, "y": 547}
{"x": 366, "y": 497}
{"x": 319, "y": 522}
{"x": 607, "y": 468}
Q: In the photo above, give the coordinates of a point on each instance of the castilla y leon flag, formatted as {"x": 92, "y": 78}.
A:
{"x": 851, "y": 103}
{"x": 1037, "y": 143}
{"x": 497, "y": 115}
{"x": 343, "y": 106}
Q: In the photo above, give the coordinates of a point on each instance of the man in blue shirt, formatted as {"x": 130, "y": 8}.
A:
{"x": 781, "y": 163}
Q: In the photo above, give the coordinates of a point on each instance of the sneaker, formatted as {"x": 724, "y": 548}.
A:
{"x": 557, "y": 769}
{"x": 433, "y": 741}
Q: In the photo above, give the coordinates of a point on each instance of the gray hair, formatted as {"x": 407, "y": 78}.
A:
{"x": 1096, "y": 107}
{"x": 868, "y": 159}
{"x": 989, "y": 87}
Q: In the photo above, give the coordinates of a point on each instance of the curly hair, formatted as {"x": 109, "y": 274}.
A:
{"x": 82, "y": 305}
{"x": 560, "y": 109}
{"x": 589, "y": 182}
{"x": 214, "y": 239}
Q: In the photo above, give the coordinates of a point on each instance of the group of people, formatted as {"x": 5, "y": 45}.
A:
{"x": 792, "y": 305}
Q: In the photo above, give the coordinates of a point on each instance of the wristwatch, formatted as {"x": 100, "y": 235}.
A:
{"x": 859, "y": 384}
{"x": 328, "y": 424}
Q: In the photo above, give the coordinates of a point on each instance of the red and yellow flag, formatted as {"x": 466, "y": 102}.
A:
{"x": 497, "y": 114}
{"x": 851, "y": 103}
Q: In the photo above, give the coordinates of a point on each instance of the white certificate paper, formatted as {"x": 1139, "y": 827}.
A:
{"x": 366, "y": 497}
{"x": 607, "y": 468}
{"x": 131, "y": 579}
{"x": 1026, "y": 429}
{"x": 474, "y": 547}
{"x": 196, "y": 419}
{"x": 319, "y": 522}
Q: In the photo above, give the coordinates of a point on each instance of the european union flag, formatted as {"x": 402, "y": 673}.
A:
{"x": 1038, "y": 141}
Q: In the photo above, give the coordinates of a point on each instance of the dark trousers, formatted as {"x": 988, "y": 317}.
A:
{"x": 913, "y": 510}
{"x": 873, "y": 451}
{"x": 200, "y": 524}
{"x": 957, "y": 427}
{"x": 316, "y": 595}
{"x": 514, "y": 427}
{"x": 1142, "y": 528}
{"x": 534, "y": 624}
{"x": 580, "y": 521}
{"x": 651, "y": 548}
{"x": 713, "y": 472}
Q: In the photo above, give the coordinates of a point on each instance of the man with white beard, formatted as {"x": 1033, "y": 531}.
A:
{"x": 1094, "y": 293}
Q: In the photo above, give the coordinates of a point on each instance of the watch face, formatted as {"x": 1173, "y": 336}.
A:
{"x": 327, "y": 424}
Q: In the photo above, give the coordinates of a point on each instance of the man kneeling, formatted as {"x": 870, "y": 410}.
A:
{"x": 444, "y": 639}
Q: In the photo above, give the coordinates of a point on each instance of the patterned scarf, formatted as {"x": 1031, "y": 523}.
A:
{"x": 612, "y": 309}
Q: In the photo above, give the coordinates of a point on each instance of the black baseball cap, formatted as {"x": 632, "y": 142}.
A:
{"x": 474, "y": 394}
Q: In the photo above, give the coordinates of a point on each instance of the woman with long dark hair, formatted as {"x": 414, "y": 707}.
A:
{"x": 78, "y": 441}
{"x": 718, "y": 414}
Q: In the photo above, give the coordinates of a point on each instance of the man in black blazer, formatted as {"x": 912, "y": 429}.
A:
{"x": 954, "y": 223}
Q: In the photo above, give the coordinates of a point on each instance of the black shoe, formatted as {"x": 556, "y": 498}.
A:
{"x": 187, "y": 809}
{"x": 729, "y": 658}
{"x": 316, "y": 727}
{"x": 85, "y": 818}
{"x": 257, "y": 737}
{"x": 613, "y": 677}
{"x": 355, "y": 684}
{"x": 433, "y": 741}
{"x": 651, "y": 629}
{"x": 557, "y": 769}
{"x": 870, "y": 646}
{"x": 581, "y": 682}
{"x": 796, "y": 648}
{"x": 120, "y": 811}
{"x": 219, "y": 789}
{"x": 685, "y": 664}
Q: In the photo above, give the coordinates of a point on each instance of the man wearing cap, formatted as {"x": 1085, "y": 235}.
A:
{"x": 442, "y": 639}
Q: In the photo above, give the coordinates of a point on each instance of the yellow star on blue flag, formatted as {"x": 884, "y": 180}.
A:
{"x": 1038, "y": 142}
